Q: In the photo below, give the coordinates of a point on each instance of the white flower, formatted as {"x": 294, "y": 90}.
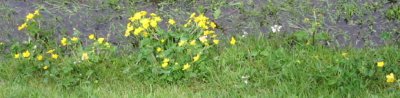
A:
{"x": 203, "y": 38}
{"x": 245, "y": 79}
{"x": 244, "y": 33}
{"x": 276, "y": 28}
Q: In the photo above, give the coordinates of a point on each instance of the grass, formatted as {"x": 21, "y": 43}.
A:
{"x": 275, "y": 69}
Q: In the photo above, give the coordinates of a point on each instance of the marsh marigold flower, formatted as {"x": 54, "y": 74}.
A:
{"x": 16, "y": 55}
{"x": 186, "y": 66}
{"x": 37, "y": 12}
{"x": 74, "y": 39}
{"x": 165, "y": 63}
{"x": 26, "y": 54}
{"x": 192, "y": 15}
{"x": 54, "y": 56}
{"x": 233, "y": 41}
{"x": 207, "y": 32}
{"x": 153, "y": 23}
{"x": 91, "y": 36}
{"x": 196, "y": 58}
{"x": 100, "y": 40}
{"x": 29, "y": 16}
{"x": 390, "y": 78}
{"x": 64, "y": 41}
{"x": 46, "y": 67}
{"x": 129, "y": 29}
{"x": 50, "y": 51}
{"x": 137, "y": 31}
{"x": 380, "y": 64}
{"x": 145, "y": 23}
{"x": 171, "y": 21}
{"x": 23, "y": 26}
{"x": 159, "y": 49}
{"x": 39, "y": 57}
{"x": 166, "y": 60}
{"x": 213, "y": 25}
{"x": 162, "y": 40}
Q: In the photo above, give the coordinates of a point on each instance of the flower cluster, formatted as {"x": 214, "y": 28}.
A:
{"x": 178, "y": 49}
{"x": 140, "y": 24}
{"x": 29, "y": 18}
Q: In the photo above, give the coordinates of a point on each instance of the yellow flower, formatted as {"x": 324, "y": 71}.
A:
{"x": 192, "y": 15}
{"x": 153, "y": 15}
{"x": 26, "y": 54}
{"x": 153, "y": 23}
{"x": 380, "y": 64}
{"x": 166, "y": 60}
{"x": 233, "y": 41}
{"x": 193, "y": 42}
{"x": 164, "y": 65}
{"x": 159, "y": 49}
{"x": 137, "y": 31}
{"x": 181, "y": 43}
{"x": 128, "y": 30}
{"x": 135, "y": 17}
{"x": 196, "y": 58}
{"x": 143, "y": 13}
{"x": 74, "y": 39}
{"x": 16, "y": 55}
{"x": 46, "y": 67}
{"x": 29, "y": 16}
{"x": 64, "y": 41}
{"x": 213, "y": 25}
{"x": 145, "y": 23}
{"x": 157, "y": 19}
{"x": 162, "y": 40}
{"x": 390, "y": 78}
{"x": 171, "y": 21}
{"x": 202, "y": 24}
{"x": 50, "y": 51}
{"x": 54, "y": 56}
{"x": 23, "y": 26}
{"x": 100, "y": 40}
{"x": 37, "y": 12}
{"x": 91, "y": 36}
{"x": 39, "y": 57}
{"x": 186, "y": 66}
{"x": 85, "y": 56}
{"x": 207, "y": 32}
{"x": 216, "y": 41}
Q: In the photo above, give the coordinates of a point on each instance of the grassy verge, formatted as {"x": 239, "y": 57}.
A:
{"x": 253, "y": 67}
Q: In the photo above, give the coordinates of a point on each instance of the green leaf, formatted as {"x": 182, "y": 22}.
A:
{"x": 217, "y": 13}
{"x": 386, "y": 36}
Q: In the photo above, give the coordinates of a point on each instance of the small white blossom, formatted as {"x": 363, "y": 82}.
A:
{"x": 276, "y": 28}
{"x": 245, "y": 79}
{"x": 244, "y": 33}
